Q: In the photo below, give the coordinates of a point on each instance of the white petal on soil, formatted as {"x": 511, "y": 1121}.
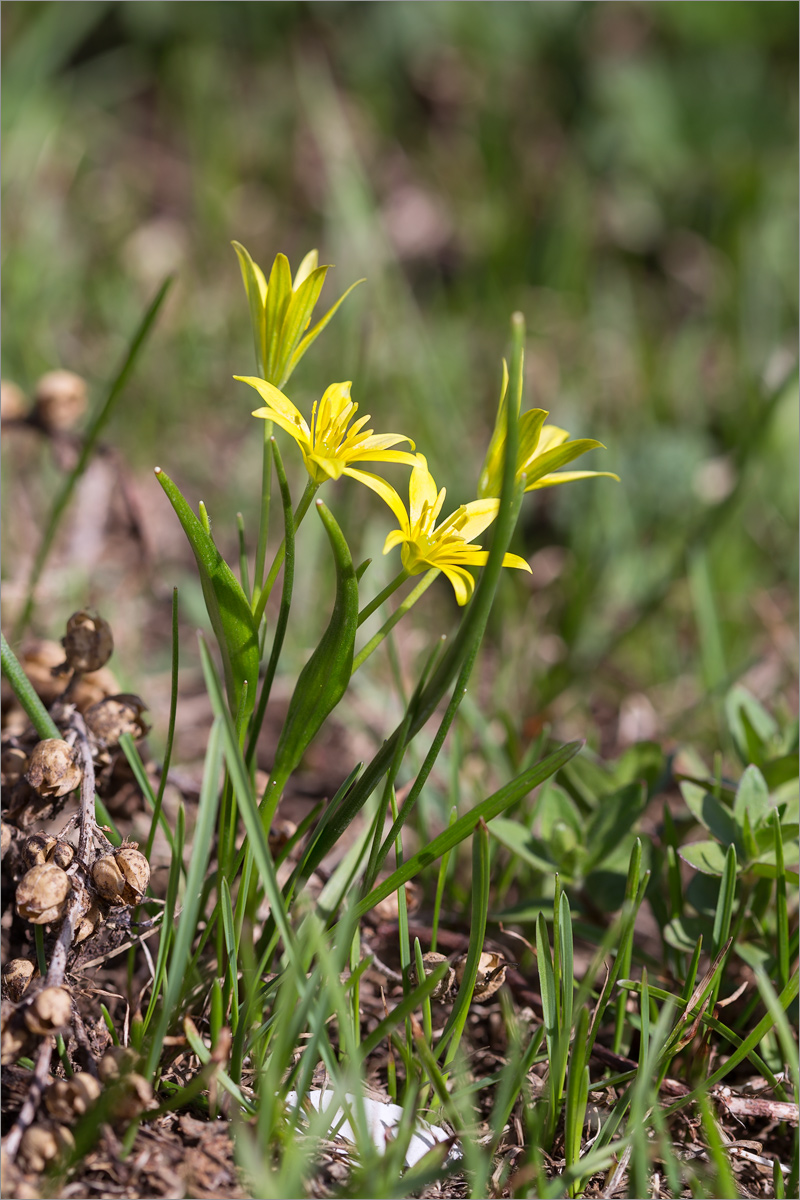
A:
{"x": 382, "y": 1119}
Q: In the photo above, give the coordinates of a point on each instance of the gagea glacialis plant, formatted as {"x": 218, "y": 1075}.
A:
{"x": 524, "y": 454}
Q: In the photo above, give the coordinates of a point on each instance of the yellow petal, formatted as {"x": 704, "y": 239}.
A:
{"x": 275, "y": 399}
{"x": 422, "y": 491}
{"x": 384, "y": 490}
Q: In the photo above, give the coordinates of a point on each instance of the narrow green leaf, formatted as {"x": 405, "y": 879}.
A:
{"x": 454, "y": 1026}
{"x": 324, "y": 679}
{"x": 781, "y": 910}
{"x": 188, "y": 920}
{"x": 752, "y": 797}
{"x": 226, "y": 604}
{"x": 461, "y": 829}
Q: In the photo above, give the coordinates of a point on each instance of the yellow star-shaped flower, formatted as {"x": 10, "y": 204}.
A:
{"x": 445, "y": 547}
{"x": 328, "y": 446}
{"x": 542, "y": 450}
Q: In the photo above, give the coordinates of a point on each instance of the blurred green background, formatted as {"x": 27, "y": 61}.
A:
{"x": 625, "y": 174}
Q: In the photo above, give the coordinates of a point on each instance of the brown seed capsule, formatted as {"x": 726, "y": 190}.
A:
{"x": 89, "y": 922}
{"x": 42, "y": 893}
{"x": 62, "y": 854}
{"x": 38, "y": 1147}
{"x": 132, "y": 1096}
{"x": 88, "y": 642}
{"x": 60, "y": 400}
{"x": 122, "y": 877}
{"x": 68, "y": 1099}
{"x": 13, "y": 765}
{"x": 49, "y": 1011}
{"x": 136, "y": 869}
{"x": 108, "y": 878}
{"x": 17, "y": 974}
{"x": 13, "y": 403}
{"x": 117, "y": 1061}
{"x": 16, "y": 1039}
{"x": 110, "y": 718}
{"x": 491, "y": 974}
{"x": 54, "y": 770}
{"x": 430, "y": 961}
{"x": 38, "y": 848}
{"x": 43, "y": 1143}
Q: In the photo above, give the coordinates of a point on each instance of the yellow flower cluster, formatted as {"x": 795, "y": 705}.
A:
{"x": 334, "y": 443}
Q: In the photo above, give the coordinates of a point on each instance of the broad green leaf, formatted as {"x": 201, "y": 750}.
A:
{"x": 324, "y": 679}
{"x": 710, "y": 812}
{"x": 708, "y": 857}
{"x": 226, "y": 604}
{"x": 612, "y": 820}
{"x": 779, "y": 771}
{"x": 516, "y": 838}
{"x": 682, "y": 932}
{"x": 752, "y": 797}
{"x": 555, "y": 805}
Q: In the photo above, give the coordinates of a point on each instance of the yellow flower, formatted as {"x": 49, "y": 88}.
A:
{"x": 328, "y": 446}
{"x": 542, "y": 450}
{"x": 280, "y": 310}
{"x": 445, "y": 547}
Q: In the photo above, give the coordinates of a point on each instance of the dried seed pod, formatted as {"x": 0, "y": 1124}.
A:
{"x": 42, "y": 893}
{"x": 13, "y": 765}
{"x": 54, "y": 770}
{"x": 110, "y": 718}
{"x": 62, "y": 854}
{"x": 88, "y": 642}
{"x": 108, "y": 878}
{"x": 430, "y": 961}
{"x": 6, "y": 838}
{"x": 68, "y": 1099}
{"x": 491, "y": 974}
{"x": 136, "y": 869}
{"x": 41, "y": 1144}
{"x": 89, "y": 922}
{"x": 17, "y": 974}
{"x": 15, "y": 1038}
{"x": 59, "y": 401}
{"x": 49, "y": 1011}
{"x": 116, "y": 1062}
{"x": 38, "y": 848}
{"x": 122, "y": 877}
{"x": 13, "y": 402}
{"x": 133, "y": 1095}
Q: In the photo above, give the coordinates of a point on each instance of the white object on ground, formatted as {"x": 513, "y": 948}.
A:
{"x": 382, "y": 1121}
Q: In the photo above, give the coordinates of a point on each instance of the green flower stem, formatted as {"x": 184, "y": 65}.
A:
{"x": 410, "y": 600}
{"x": 301, "y": 510}
{"x": 23, "y": 689}
{"x": 263, "y": 528}
{"x": 390, "y": 588}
